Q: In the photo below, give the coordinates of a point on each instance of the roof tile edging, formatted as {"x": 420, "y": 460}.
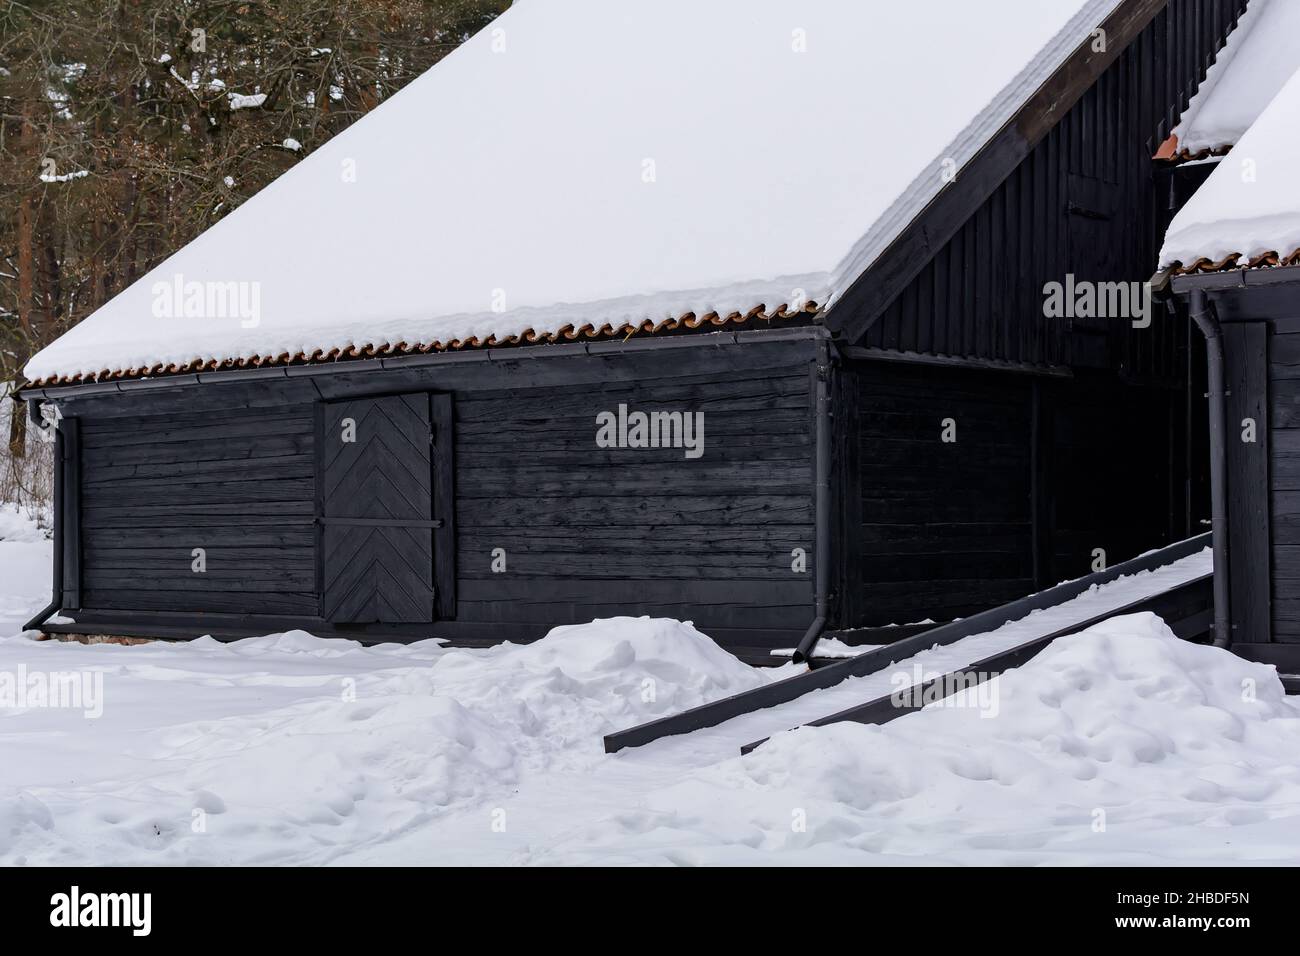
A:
{"x": 1266, "y": 260}
{"x": 687, "y": 321}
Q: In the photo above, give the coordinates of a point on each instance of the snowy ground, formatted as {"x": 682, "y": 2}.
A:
{"x": 1121, "y": 745}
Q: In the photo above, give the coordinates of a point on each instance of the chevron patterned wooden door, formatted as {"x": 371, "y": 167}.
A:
{"x": 376, "y": 501}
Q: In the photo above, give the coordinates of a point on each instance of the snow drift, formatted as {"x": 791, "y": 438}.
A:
{"x": 1119, "y": 741}
{"x": 290, "y": 748}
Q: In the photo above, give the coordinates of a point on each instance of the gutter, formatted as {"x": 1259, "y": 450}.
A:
{"x": 822, "y": 503}
{"x": 56, "y": 599}
{"x": 1202, "y": 312}
{"x": 491, "y": 355}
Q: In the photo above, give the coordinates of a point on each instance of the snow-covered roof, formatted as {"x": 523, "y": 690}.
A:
{"x": 1261, "y": 54}
{"x": 586, "y": 167}
{"x": 1249, "y": 208}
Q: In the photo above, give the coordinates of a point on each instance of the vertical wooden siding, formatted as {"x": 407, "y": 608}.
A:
{"x": 1284, "y": 498}
{"x": 1252, "y": 562}
{"x": 982, "y": 294}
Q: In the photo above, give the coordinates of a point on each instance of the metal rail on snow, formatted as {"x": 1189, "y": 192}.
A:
{"x": 869, "y": 662}
{"x": 1187, "y": 608}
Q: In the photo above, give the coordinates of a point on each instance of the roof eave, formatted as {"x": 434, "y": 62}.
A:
{"x": 1235, "y": 279}
{"x": 720, "y": 339}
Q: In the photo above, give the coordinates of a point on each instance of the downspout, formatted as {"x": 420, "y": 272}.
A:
{"x": 821, "y": 505}
{"x": 1203, "y": 314}
{"x": 56, "y": 600}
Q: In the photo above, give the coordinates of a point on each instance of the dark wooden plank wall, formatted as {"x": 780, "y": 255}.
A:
{"x": 1043, "y": 471}
{"x": 1110, "y": 458}
{"x": 1246, "y": 349}
{"x": 982, "y": 294}
{"x": 69, "y": 476}
{"x": 240, "y": 484}
{"x": 589, "y": 532}
{"x": 946, "y": 529}
{"x": 1284, "y": 500}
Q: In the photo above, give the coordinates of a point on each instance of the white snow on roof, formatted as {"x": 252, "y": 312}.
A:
{"x": 1250, "y": 205}
{"x": 1259, "y": 57}
{"x": 601, "y": 161}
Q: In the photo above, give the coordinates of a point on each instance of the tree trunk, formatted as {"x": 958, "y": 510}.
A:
{"x": 26, "y": 269}
{"x": 17, "y": 430}
{"x": 26, "y": 295}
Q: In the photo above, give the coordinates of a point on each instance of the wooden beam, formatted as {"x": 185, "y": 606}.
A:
{"x": 784, "y": 691}
{"x": 1249, "y": 514}
{"x": 954, "y": 361}
{"x": 753, "y": 645}
{"x": 1184, "y": 608}
{"x": 71, "y": 517}
{"x": 1042, "y": 509}
{"x": 444, "y": 506}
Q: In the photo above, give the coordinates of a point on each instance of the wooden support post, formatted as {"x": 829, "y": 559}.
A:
{"x": 1041, "y": 485}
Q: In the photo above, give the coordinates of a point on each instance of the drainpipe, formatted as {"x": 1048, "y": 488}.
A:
{"x": 56, "y": 601}
{"x": 822, "y": 505}
{"x": 1203, "y": 314}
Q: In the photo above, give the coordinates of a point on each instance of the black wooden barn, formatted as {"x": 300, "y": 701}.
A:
{"x": 930, "y": 445}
